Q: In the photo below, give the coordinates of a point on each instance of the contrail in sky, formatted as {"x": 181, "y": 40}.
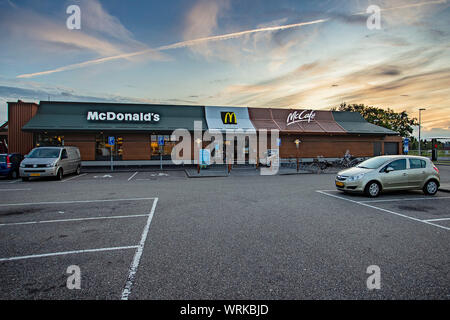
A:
{"x": 194, "y": 42}
{"x": 182, "y": 44}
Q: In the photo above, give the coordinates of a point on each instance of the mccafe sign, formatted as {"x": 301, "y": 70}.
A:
{"x": 296, "y": 116}
{"x": 123, "y": 116}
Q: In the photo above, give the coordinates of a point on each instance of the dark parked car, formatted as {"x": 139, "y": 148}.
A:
{"x": 9, "y": 165}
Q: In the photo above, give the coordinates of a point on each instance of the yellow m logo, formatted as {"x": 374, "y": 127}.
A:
{"x": 229, "y": 118}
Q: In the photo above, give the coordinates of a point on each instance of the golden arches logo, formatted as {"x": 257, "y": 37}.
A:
{"x": 229, "y": 118}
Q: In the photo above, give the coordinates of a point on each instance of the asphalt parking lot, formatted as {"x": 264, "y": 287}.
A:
{"x": 161, "y": 235}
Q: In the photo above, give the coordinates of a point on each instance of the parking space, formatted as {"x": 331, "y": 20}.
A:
{"x": 5, "y": 181}
{"x": 242, "y": 237}
{"x": 39, "y": 240}
{"x": 113, "y": 176}
{"x": 160, "y": 175}
{"x": 413, "y": 205}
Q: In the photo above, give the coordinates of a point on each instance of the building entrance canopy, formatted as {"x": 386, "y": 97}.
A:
{"x": 228, "y": 118}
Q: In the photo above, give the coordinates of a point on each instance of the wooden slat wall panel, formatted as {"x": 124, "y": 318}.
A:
{"x": 84, "y": 142}
{"x": 19, "y": 113}
{"x": 330, "y": 146}
{"x": 136, "y": 147}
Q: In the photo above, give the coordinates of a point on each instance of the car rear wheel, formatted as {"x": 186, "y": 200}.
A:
{"x": 13, "y": 175}
{"x": 78, "y": 170}
{"x": 373, "y": 189}
{"x": 59, "y": 174}
{"x": 430, "y": 188}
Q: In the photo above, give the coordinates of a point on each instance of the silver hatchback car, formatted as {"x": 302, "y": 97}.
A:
{"x": 50, "y": 162}
{"x": 385, "y": 173}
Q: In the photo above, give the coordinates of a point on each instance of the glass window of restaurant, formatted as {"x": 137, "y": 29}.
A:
{"x": 165, "y": 150}
{"x": 103, "y": 149}
{"x": 48, "y": 139}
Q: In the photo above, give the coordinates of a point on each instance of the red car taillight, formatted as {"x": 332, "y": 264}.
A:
{"x": 435, "y": 168}
{"x": 8, "y": 162}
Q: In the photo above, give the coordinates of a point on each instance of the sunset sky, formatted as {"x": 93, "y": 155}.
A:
{"x": 300, "y": 54}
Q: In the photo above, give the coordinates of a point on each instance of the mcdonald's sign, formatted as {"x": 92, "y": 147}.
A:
{"x": 228, "y": 117}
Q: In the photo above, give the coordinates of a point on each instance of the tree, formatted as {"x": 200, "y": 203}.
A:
{"x": 387, "y": 118}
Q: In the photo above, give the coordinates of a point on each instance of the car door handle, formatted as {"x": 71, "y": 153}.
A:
{"x": 405, "y": 174}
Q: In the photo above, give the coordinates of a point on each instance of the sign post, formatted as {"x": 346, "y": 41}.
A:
{"x": 405, "y": 146}
{"x": 161, "y": 146}
{"x": 111, "y": 142}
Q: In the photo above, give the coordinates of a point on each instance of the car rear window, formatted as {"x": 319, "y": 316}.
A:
{"x": 3, "y": 158}
{"x": 417, "y": 163}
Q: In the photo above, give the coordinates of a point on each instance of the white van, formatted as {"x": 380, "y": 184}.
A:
{"x": 51, "y": 162}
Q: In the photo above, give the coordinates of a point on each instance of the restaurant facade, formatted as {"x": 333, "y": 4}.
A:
{"x": 143, "y": 133}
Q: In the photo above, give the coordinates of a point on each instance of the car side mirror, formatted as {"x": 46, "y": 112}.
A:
{"x": 389, "y": 169}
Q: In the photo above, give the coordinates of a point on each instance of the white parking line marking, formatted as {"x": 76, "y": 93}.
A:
{"x": 441, "y": 219}
{"x": 70, "y": 220}
{"x": 137, "y": 256}
{"x": 68, "y": 202}
{"x": 9, "y": 182}
{"x": 382, "y": 209}
{"x": 405, "y": 199}
{"x": 15, "y": 189}
{"x": 132, "y": 176}
{"x": 78, "y": 176}
{"x": 65, "y": 253}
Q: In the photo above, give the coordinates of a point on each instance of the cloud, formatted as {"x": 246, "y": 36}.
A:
{"x": 177, "y": 45}
{"x": 100, "y": 34}
{"x": 406, "y": 81}
{"x": 202, "y": 21}
{"x": 10, "y": 93}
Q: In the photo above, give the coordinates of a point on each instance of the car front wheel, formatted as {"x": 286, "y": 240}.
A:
{"x": 373, "y": 189}
{"x": 430, "y": 188}
{"x": 59, "y": 174}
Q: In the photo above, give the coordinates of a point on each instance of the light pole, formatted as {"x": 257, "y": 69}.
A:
{"x": 199, "y": 141}
{"x": 420, "y": 120}
{"x": 297, "y": 145}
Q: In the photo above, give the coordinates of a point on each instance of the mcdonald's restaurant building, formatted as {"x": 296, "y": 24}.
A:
{"x": 144, "y": 132}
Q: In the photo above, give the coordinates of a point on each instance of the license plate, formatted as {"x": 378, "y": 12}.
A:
{"x": 339, "y": 184}
{"x": 35, "y": 174}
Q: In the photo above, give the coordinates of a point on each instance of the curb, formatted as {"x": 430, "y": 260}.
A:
{"x": 215, "y": 175}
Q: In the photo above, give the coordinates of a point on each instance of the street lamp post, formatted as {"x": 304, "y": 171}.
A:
{"x": 199, "y": 141}
{"x": 420, "y": 120}
{"x": 297, "y": 145}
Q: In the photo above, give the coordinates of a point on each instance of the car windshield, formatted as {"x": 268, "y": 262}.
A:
{"x": 372, "y": 163}
{"x": 2, "y": 157}
{"x": 44, "y": 153}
